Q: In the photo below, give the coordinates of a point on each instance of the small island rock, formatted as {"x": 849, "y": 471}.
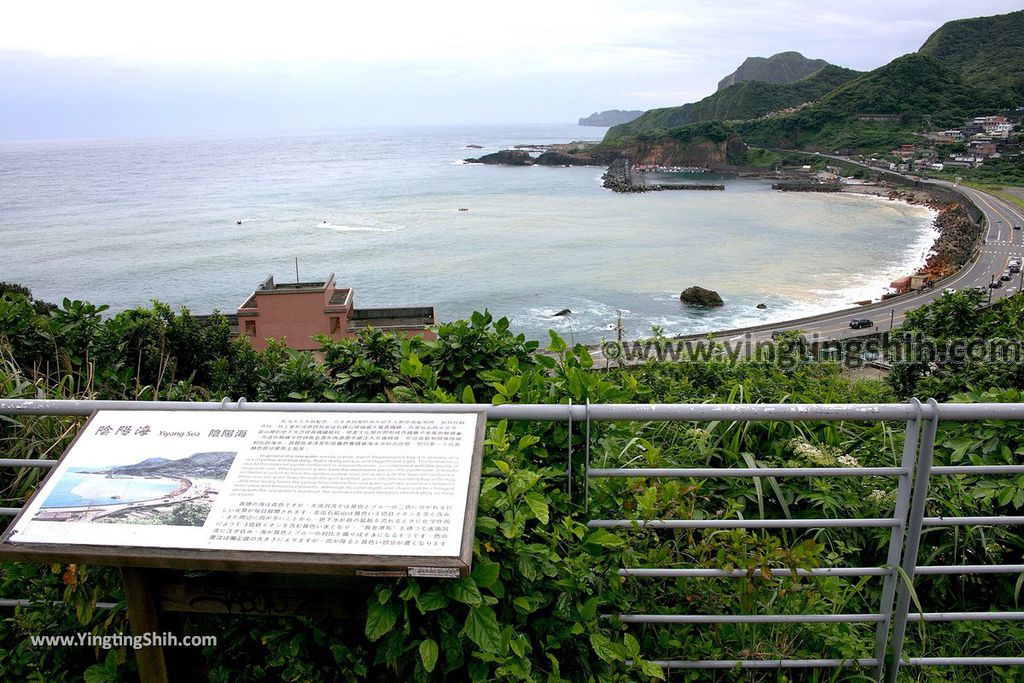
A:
{"x": 699, "y": 296}
{"x": 563, "y": 312}
{"x": 506, "y": 157}
{"x": 762, "y": 306}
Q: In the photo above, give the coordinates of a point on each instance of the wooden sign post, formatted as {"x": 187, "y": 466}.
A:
{"x": 257, "y": 499}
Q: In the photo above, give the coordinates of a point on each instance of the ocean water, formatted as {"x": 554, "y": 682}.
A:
{"x": 84, "y": 488}
{"x": 123, "y": 222}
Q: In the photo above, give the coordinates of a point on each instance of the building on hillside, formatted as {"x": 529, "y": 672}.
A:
{"x": 296, "y": 312}
{"x": 949, "y": 136}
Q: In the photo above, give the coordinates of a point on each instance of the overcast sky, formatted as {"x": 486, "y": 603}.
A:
{"x": 125, "y": 68}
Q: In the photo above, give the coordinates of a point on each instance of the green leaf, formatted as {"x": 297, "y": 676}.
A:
{"x": 467, "y": 395}
{"x": 538, "y": 506}
{"x": 485, "y": 574}
{"x": 527, "y": 441}
{"x": 589, "y": 609}
{"x": 632, "y": 645}
{"x": 428, "y": 654}
{"x": 604, "y": 539}
{"x": 605, "y": 648}
{"x": 557, "y": 343}
{"x": 464, "y": 591}
{"x": 651, "y": 669}
{"x": 482, "y": 628}
{"x": 380, "y": 619}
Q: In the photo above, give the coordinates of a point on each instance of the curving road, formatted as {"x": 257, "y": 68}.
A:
{"x": 1000, "y": 243}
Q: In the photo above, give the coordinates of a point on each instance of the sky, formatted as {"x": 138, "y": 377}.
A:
{"x": 124, "y": 68}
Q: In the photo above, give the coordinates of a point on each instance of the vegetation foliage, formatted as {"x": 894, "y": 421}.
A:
{"x": 541, "y": 600}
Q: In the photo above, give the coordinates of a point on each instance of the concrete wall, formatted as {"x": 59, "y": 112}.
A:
{"x": 295, "y": 317}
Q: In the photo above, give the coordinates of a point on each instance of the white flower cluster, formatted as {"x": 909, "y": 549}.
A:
{"x": 820, "y": 455}
{"x": 878, "y": 496}
{"x": 848, "y": 461}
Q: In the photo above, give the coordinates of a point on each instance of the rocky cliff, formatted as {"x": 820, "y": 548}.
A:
{"x": 609, "y": 118}
{"x": 671, "y": 152}
{"x": 784, "y": 67}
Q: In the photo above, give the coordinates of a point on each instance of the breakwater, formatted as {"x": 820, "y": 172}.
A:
{"x": 620, "y": 177}
{"x": 805, "y": 186}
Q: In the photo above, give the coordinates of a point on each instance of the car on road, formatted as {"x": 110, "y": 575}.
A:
{"x": 995, "y": 284}
{"x": 860, "y": 323}
{"x": 1016, "y": 226}
{"x": 1006, "y": 275}
{"x": 1013, "y": 267}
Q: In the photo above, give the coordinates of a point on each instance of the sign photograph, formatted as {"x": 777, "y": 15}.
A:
{"x": 373, "y": 483}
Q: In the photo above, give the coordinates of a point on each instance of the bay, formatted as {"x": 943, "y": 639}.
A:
{"x": 123, "y": 222}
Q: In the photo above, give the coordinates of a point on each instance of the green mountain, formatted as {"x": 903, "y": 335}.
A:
{"x": 785, "y": 67}
{"x": 209, "y": 465}
{"x": 915, "y": 90}
{"x": 746, "y": 100}
{"x": 966, "y": 68}
{"x": 987, "y": 52}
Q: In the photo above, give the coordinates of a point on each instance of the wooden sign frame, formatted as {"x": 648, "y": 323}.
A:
{"x": 248, "y": 561}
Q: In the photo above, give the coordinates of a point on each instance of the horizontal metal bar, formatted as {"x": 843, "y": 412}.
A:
{"x": 955, "y": 569}
{"x": 536, "y": 412}
{"x": 963, "y": 661}
{"x": 967, "y": 616}
{"x": 26, "y": 462}
{"x": 6, "y": 602}
{"x": 749, "y": 618}
{"x": 561, "y": 412}
{"x": 742, "y": 573}
{"x": 742, "y": 523}
{"x": 707, "y": 472}
{"x": 967, "y": 412}
{"x": 978, "y": 469}
{"x": 967, "y": 521}
{"x": 9, "y": 512}
{"x": 762, "y": 663}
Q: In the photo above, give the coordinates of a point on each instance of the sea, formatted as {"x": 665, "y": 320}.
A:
{"x": 85, "y": 488}
{"x": 124, "y": 222}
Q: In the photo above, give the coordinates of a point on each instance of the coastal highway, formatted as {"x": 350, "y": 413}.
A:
{"x": 1001, "y": 242}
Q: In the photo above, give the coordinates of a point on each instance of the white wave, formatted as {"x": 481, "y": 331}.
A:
{"x": 379, "y": 227}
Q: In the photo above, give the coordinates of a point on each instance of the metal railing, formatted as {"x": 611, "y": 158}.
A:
{"x": 914, "y": 474}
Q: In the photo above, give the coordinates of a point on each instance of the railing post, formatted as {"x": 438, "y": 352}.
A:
{"x": 917, "y": 506}
{"x": 586, "y": 469}
{"x": 569, "y": 468}
{"x": 896, "y": 539}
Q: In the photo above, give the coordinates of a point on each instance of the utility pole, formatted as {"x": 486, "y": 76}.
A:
{"x": 990, "y": 283}
{"x": 892, "y": 318}
{"x": 618, "y": 327}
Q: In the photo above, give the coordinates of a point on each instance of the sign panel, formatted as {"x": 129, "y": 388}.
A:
{"x": 369, "y": 484}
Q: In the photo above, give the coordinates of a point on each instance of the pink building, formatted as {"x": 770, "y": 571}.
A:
{"x": 296, "y": 312}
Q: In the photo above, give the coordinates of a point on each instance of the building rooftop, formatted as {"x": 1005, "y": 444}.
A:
{"x": 384, "y": 318}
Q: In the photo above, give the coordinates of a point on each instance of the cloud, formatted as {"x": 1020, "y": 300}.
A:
{"x": 72, "y": 68}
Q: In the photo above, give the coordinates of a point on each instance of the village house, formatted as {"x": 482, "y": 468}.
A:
{"x": 296, "y": 312}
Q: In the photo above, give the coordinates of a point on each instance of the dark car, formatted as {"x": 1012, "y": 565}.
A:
{"x": 860, "y": 323}
{"x": 1016, "y": 226}
{"x": 996, "y": 284}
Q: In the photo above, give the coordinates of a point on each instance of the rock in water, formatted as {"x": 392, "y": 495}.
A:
{"x": 762, "y": 306}
{"x": 698, "y": 296}
{"x": 506, "y": 157}
{"x": 563, "y": 312}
